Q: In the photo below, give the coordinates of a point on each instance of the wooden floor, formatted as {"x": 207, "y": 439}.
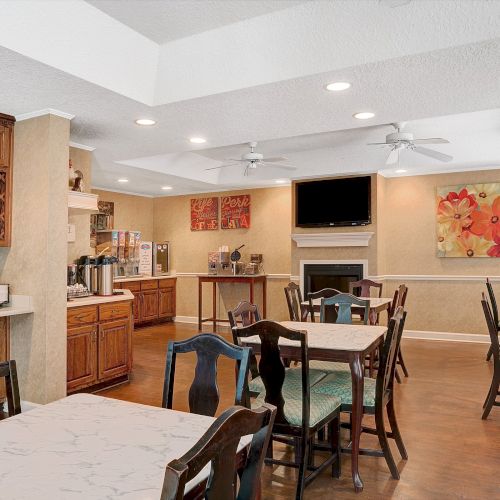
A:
{"x": 452, "y": 452}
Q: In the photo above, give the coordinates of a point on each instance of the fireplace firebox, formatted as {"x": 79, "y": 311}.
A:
{"x": 338, "y": 276}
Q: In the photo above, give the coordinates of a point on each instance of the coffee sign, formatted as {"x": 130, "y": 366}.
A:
{"x": 235, "y": 212}
{"x": 205, "y": 214}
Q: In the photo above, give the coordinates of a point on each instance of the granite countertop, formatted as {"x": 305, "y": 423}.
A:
{"x": 97, "y": 299}
{"x": 87, "y": 446}
{"x": 142, "y": 278}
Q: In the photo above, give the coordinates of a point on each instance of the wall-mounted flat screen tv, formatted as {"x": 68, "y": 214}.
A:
{"x": 333, "y": 202}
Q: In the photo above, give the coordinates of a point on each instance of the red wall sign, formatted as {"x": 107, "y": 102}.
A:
{"x": 235, "y": 212}
{"x": 205, "y": 214}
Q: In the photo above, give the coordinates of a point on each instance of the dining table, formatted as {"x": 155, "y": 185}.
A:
{"x": 376, "y": 306}
{"x": 336, "y": 342}
{"x": 90, "y": 447}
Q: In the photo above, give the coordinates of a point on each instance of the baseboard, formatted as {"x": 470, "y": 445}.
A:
{"x": 408, "y": 334}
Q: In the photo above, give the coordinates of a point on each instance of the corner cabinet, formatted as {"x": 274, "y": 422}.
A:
{"x": 99, "y": 345}
{"x": 154, "y": 299}
{"x": 6, "y": 163}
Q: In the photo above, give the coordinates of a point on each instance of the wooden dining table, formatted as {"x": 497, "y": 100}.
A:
{"x": 377, "y": 305}
{"x": 89, "y": 447}
{"x": 336, "y": 342}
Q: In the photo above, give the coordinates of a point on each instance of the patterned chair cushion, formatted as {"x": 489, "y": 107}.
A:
{"x": 339, "y": 385}
{"x": 320, "y": 407}
{"x": 293, "y": 379}
{"x": 330, "y": 366}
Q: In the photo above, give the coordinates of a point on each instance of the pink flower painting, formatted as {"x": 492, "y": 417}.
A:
{"x": 468, "y": 220}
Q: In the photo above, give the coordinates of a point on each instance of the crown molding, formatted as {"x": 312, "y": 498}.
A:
{"x": 81, "y": 146}
{"x": 43, "y": 112}
{"x": 354, "y": 239}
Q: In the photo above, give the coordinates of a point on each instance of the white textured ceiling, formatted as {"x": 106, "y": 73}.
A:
{"x": 462, "y": 77}
{"x": 166, "y": 20}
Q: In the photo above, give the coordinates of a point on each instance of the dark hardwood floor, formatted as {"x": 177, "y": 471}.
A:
{"x": 452, "y": 452}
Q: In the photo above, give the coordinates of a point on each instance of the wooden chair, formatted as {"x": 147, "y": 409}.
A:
{"x": 218, "y": 446}
{"x": 362, "y": 288}
{"x": 344, "y": 302}
{"x": 378, "y": 394}
{"x": 399, "y": 300}
{"x": 8, "y": 371}
{"x": 494, "y": 392}
{"x": 331, "y": 312}
{"x": 494, "y": 310}
{"x": 293, "y": 296}
{"x": 204, "y": 393}
{"x": 299, "y": 416}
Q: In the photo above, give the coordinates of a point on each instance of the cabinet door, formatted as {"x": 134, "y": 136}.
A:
{"x": 82, "y": 357}
{"x": 166, "y": 302}
{"x": 115, "y": 349}
{"x": 149, "y": 305}
{"x": 5, "y": 144}
{"x": 137, "y": 307}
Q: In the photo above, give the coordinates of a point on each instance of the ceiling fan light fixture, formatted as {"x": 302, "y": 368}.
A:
{"x": 197, "y": 140}
{"x": 338, "y": 86}
{"x": 145, "y": 122}
{"x": 363, "y": 115}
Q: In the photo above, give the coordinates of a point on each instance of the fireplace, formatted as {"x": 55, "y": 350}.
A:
{"x": 334, "y": 274}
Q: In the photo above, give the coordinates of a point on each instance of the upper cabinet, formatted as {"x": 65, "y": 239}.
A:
{"x": 6, "y": 153}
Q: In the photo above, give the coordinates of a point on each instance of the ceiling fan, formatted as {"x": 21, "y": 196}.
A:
{"x": 253, "y": 160}
{"x": 399, "y": 141}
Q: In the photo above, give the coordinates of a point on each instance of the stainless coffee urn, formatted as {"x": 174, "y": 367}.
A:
{"x": 104, "y": 266}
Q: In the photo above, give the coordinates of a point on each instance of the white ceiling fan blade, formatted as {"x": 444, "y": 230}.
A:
{"x": 432, "y": 154}
{"x": 393, "y": 157}
{"x": 378, "y": 144}
{"x": 432, "y": 140}
{"x": 278, "y": 165}
{"x": 224, "y": 166}
{"x": 233, "y": 159}
{"x": 274, "y": 159}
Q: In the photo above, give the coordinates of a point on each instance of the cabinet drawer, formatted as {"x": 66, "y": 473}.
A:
{"x": 166, "y": 283}
{"x": 149, "y": 285}
{"x": 114, "y": 310}
{"x": 133, "y": 286}
{"x": 78, "y": 316}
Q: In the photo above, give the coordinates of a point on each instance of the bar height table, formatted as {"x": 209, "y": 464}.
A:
{"x": 250, "y": 280}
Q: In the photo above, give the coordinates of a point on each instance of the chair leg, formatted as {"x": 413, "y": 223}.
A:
{"x": 269, "y": 451}
{"x": 384, "y": 443}
{"x": 395, "y": 430}
{"x": 334, "y": 434}
{"x": 490, "y": 353}
{"x": 398, "y": 376}
{"x": 495, "y": 386}
{"x": 301, "y": 454}
{"x": 401, "y": 362}
{"x": 488, "y": 395}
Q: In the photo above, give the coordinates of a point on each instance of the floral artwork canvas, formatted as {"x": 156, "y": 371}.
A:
{"x": 468, "y": 220}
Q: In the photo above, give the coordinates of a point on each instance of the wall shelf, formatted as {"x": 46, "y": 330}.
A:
{"x": 82, "y": 202}
{"x": 352, "y": 239}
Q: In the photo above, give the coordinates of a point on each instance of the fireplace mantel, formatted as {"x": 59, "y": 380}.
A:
{"x": 351, "y": 239}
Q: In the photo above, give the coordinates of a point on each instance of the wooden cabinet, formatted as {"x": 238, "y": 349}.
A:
{"x": 99, "y": 344}
{"x": 153, "y": 299}
{"x": 6, "y": 162}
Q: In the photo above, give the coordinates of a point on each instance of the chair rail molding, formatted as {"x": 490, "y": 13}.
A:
{"x": 351, "y": 239}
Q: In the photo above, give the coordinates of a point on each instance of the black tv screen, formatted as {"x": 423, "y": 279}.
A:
{"x": 333, "y": 202}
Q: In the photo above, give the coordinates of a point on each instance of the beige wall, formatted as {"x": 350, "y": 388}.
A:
{"x": 35, "y": 264}
{"x": 131, "y": 212}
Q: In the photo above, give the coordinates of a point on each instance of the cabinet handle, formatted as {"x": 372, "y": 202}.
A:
{"x": 102, "y": 335}
{"x": 94, "y": 336}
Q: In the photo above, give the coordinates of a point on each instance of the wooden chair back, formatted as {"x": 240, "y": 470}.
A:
{"x": 362, "y": 288}
{"x": 399, "y": 299}
{"x": 389, "y": 356}
{"x": 204, "y": 392}
{"x": 294, "y": 300}
{"x": 330, "y": 311}
{"x": 493, "y": 303}
{"x": 8, "y": 371}
{"x": 245, "y": 313}
{"x": 218, "y": 446}
{"x": 271, "y": 367}
{"x": 344, "y": 302}
{"x": 492, "y": 330}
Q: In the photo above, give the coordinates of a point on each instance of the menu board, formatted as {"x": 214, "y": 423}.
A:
{"x": 205, "y": 214}
{"x": 235, "y": 212}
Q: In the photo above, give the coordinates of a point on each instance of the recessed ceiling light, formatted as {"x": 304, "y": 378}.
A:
{"x": 166, "y": 188}
{"x": 145, "y": 122}
{"x": 122, "y": 180}
{"x": 400, "y": 171}
{"x": 197, "y": 140}
{"x": 338, "y": 86}
{"x": 364, "y": 115}
{"x": 281, "y": 181}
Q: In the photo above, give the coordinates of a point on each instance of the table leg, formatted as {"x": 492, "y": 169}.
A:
{"x": 356, "y": 365}
{"x": 264, "y": 298}
{"x": 200, "y": 307}
{"x": 214, "y": 306}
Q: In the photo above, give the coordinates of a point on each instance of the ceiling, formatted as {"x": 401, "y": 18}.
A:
{"x": 163, "y": 21}
{"x": 448, "y": 88}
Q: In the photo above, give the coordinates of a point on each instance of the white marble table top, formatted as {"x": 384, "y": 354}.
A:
{"x": 331, "y": 336}
{"x": 374, "y": 301}
{"x": 86, "y": 447}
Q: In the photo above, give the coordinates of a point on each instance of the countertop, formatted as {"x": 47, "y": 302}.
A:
{"x": 96, "y": 299}
{"x": 141, "y": 278}
{"x": 19, "y": 304}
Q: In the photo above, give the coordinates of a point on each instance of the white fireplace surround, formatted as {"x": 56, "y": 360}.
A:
{"x": 352, "y": 239}
{"x": 363, "y": 262}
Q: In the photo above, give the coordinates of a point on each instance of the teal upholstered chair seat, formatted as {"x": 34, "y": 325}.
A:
{"x": 321, "y": 406}
{"x": 339, "y": 385}
{"x": 330, "y": 366}
{"x": 293, "y": 380}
